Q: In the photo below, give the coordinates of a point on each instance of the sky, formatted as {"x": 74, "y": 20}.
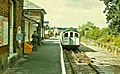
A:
{"x": 73, "y": 13}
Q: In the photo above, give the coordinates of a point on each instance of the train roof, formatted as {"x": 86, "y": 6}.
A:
{"x": 70, "y": 30}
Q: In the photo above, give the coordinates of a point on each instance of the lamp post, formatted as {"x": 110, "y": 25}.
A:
{"x": 46, "y": 25}
{"x": 25, "y": 12}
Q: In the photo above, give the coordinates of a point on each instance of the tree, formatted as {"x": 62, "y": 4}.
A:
{"x": 89, "y": 30}
{"x": 112, "y": 11}
{"x": 86, "y": 27}
{"x": 104, "y": 31}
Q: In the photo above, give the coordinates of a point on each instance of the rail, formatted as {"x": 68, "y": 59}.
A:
{"x": 74, "y": 71}
{"x": 79, "y": 56}
{"x": 87, "y": 60}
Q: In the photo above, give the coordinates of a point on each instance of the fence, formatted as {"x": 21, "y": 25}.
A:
{"x": 109, "y": 48}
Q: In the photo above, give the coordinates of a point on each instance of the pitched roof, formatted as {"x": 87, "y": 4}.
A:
{"x": 37, "y": 10}
{"x": 30, "y": 5}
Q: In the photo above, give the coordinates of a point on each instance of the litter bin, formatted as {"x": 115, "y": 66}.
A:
{"x": 27, "y": 48}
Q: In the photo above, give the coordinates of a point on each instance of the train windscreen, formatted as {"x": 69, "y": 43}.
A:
{"x": 66, "y": 35}
{"x": 76, "y": 35}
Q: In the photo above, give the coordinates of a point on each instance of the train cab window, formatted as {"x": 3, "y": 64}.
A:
{"x": 76, "y": 35}
{"x": 71, "y": 34}
{"x": 66, "y": 35}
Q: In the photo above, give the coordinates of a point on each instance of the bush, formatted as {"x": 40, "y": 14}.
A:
{"x": 111, "y": 40}
{"x": 116, "y": 41}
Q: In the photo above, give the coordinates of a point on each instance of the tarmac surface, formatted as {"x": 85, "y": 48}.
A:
{"x": 44, "y": 61}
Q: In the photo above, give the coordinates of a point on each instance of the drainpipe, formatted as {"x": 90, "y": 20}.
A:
{"x": 9, "y": 24}
{"x": 8, "y": 29}
{"x": 39, "y": 33}
{"x": 23, "y": 24}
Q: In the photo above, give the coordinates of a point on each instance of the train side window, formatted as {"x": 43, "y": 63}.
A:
{"x": 66, "y": 35}
{"x": 71, "y": 34}
{"x": 76, "y": 35}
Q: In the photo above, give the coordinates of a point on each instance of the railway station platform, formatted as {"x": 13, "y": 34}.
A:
{"x": 44, "y": 61}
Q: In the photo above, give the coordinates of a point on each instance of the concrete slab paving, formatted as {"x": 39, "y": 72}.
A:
{"x": 44, "y": 61}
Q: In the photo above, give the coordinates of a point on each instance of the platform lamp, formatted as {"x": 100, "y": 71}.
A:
{"x": 27, "y": 13}
{"x": 46, "y": 26}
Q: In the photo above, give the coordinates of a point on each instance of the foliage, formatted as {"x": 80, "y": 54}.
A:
{"x": 105, "y": 39}
{"x": 111, "y": 40}
{"x": 86, "y": 27}
{"x": 93, "y": 34}
{"x": 116, "y": 41}
{"x": 112, "y": 11}
{"x": 100, "y": 35}
{"x": 90, "y": 31}
{"x": 105, "y": 31}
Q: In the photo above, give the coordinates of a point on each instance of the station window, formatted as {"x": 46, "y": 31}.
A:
{"x": 71, "y": 34}
{"x": 66, "y": 35}
{"x": 3, "y": 31}
{"x": 76, "y": 35}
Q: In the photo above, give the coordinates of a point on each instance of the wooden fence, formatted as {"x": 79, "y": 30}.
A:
{"x": 109, "y": 48}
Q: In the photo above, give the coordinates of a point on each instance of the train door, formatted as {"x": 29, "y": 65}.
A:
{"x": 71, "y": 39}
{"x": 77, "y": 38}
{"x": 65, "y": 39}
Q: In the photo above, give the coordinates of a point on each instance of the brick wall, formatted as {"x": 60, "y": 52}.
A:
{"x": 3, "y": 58}
{"x": 4, "y": 7}
{"x": 3, "y": 49}
{"x": 18, "y": 18}
{"x": 4, "y": 11}
{"x": 18, "y": 12}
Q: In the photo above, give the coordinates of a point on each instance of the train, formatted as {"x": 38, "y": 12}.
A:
{"x": 70, "y": 39}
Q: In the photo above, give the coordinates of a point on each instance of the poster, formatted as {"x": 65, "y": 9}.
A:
{"x": 5, "y": 42}
{"x": 3, "y": 31}
{"x": 1, "y": 20}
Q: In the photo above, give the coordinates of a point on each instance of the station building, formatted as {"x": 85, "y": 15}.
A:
{"x": 10, "y": 20}
{"x": 34, "y": 20}
{"x": 16, "y": 27}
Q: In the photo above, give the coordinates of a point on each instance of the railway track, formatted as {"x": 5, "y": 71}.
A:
{"x": 71, "y": 63}
{"x": 79, "y": 57}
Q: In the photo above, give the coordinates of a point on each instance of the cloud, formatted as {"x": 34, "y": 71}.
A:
{"x": 73, "y": 12}
{"x": 86, "y": 4}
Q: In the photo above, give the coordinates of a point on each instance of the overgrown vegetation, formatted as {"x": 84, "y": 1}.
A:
{"x": 89, "y": 30}
{"x": 112, "y": 11}
{"x": 111, "y": 34}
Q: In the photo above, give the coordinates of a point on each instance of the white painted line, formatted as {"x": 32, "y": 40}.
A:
{"x": 62, "y": 60}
